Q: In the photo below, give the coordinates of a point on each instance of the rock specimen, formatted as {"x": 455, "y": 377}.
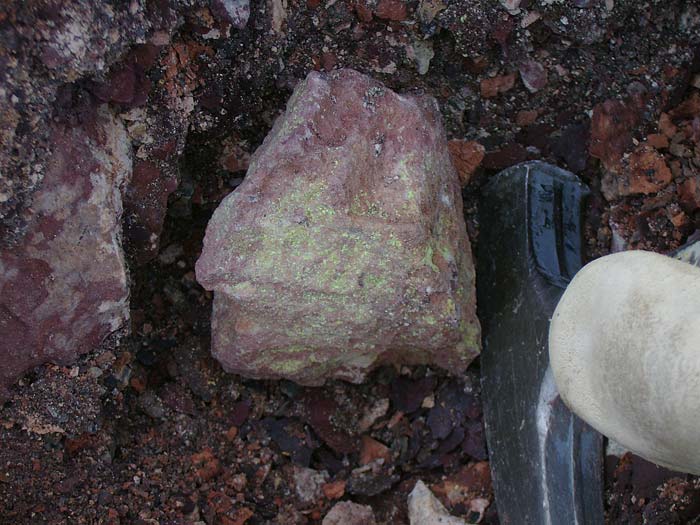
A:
{"x": 425, "y": 509}
{"x": 345, "y": 247}
{"x": 623, "y": 345}
{"x": 63, "y": 288}
{"x": 349, "y": 513}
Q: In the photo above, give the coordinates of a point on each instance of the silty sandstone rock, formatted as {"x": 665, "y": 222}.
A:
{"x": 345, "y": 247}
{"x": 63, "y": 287}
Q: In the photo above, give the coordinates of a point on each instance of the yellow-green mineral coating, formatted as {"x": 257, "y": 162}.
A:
{"x": 345, "y": 246}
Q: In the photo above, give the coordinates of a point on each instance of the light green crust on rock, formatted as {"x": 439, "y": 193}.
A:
{"x": 335, "y": 254}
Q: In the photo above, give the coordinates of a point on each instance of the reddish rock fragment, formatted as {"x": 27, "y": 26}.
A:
{"x": 526, "y": 118}
{"x": 472, "y": 481}
{"x": 644, "y": 172}
{"x": 345, "y": 246}
{"x": 392, "y": 10}
{"x": 490, "y": 87}
{"x": 206, "y": 465}
{"x": 334, "y": 489}
{"x": 657, "y": 140}
{"x": 611, "y": 134}
{"x": 689, "y": 194}
{"x": 372, "y": 450}
{"x": 364, "y": 13}
{"x": 666, "y": 126}
{"x": 328, "y": 61}
{"x": 466, "y": 156}
{"x": 688, "y": 109}
{"x": 240, "y": 517}
{"x": 64, "y": 288}
{"x": 508, "y": 155}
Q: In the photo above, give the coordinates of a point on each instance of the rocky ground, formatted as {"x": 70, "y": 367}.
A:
{"x": 149, "y": 429}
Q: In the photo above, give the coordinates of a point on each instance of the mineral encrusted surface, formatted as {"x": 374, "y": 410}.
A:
{"x": 345, "y": 247}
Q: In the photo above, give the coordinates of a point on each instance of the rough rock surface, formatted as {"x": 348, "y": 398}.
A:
{"x": 63, "y": 288}
{"x": 349, "y": 513}
{"x": 425, "y": 509}
{"x": 345, "y": 246}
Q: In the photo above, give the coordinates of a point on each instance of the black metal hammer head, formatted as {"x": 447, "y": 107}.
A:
{"x": 546, "y": 463}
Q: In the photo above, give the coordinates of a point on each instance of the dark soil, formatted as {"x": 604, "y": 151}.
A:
{"x": 151, "y": 430}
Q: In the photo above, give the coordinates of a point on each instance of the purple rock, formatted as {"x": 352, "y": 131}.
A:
{"x": 533, "y": 75}
{"x": 345, "y": 247}
{"x": 64, "y": 288}
{"x": 235, "y": 12}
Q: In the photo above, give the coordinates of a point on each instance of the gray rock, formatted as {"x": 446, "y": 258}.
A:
{"x": 425, "y": 509}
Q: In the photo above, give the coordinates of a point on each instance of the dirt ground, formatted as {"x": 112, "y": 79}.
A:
{"x": 151, "y": 430}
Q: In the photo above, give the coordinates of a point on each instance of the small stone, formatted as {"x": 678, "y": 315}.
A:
{"x": 334, "y": 489}
{"x": 364, "y": 13}
{"x": 572, "y": 146}
{"x": 206, "y": 464}
{"x": 379, "y": 409}
{"x": 678, "y": 149}
{"x": 689, "y": 194}
{"x": 425, "y": 509}
{"x": 471, "y": 482}
{"x": 422, "y": 53}
{"x": 689, "y": 108}
{"x": 407, "y": 395}
{"x": 490, "y": 87}
{"x": 328, "y": 61}
{"x": 657, "y": 140}
{"x": 369, "y": 483}
{"x": 235, "y": 12}
{"x": 666, "y": 126}
{"x": 323, "y": 261}
{"x": 234, "y": 158}
{"x": 308, "y": 484}
{"x": 512, "y": 6}
{"x": 349, "y": 513}
{"x": 529, "y": 19}
{"x": 611, "y": 137}
{"x": 429, "y": 9}
{"x": 466, "y": 156}
{"x": 152, "y": 405}
{"x": 526, "y": 117}
{"x": 533, "y": 74}
{"x": 644, "y": 172}
{"x": 372, "y": 450}
{"x": 392, "y": 10}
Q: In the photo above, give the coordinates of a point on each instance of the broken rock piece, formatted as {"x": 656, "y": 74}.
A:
{"x": 349, "y": 513}
{"x": 345, "y": 247}
{"x": 425, "y": 509}
{"x": 63, "y": 287}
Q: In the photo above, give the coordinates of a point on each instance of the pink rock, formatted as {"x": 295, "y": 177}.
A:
{"x": 345, "y": 246}
{"x": 349, "y": 513}
{"x": 533, "y": 75}
{"x": 63, "y": 288}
